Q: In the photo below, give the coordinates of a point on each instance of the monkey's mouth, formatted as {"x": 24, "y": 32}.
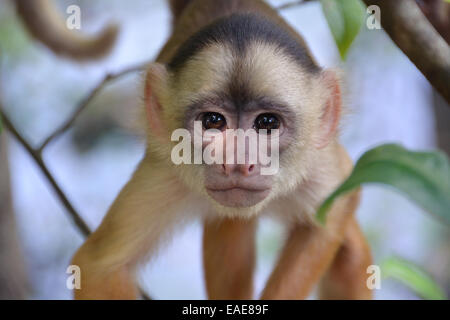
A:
{"x": 238, "y": 196}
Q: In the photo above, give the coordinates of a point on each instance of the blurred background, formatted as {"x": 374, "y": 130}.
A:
{"x": 388, "y": 98}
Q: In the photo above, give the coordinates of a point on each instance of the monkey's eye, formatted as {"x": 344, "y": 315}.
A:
{"x": 267, "y": 121}
{"x": 213, "y": 120}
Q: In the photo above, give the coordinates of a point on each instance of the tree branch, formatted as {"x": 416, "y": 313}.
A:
{"x": 438, "y": 13}
{"x": 85, "y": 102}
{"x": 415, "y": 36}
{"x": 82, "y": 226}
{"x": 36, "y": 154}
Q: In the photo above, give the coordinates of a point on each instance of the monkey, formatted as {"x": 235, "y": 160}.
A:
{"x": 44, "y": 23}
{"x": 236, "y": 64}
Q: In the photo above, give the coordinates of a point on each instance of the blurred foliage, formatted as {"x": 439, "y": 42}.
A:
{"x": 345, "y": 18}
{"x": 413, "y": 277}
{"x": 423, "y": 176}
{"x": 12, "y": 36}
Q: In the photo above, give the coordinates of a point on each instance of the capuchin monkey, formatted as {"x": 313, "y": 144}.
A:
{"x": 236, "y": 64}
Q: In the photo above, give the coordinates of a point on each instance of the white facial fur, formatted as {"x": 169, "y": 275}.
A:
{"x": 271, "y": 73}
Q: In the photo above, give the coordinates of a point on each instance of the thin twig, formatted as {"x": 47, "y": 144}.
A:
{"x": 292, "y": 4}
{"x": 82, "y": 226}
{"x": 85, "y": 102}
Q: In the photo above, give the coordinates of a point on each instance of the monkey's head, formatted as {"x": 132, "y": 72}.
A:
{"x": 243, "y": 72}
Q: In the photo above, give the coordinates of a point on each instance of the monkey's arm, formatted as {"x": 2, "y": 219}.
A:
{"x": 229, "y": 258}
{"x": 347, "y": 276}
{"x": 139, "y": 219}
{"x": 308, "y": 253}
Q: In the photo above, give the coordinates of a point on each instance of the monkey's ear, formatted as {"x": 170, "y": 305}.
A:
{"x": 155, "y": 87}
{"x": 331, "y": 112}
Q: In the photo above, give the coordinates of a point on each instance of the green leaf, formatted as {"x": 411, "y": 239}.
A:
{"x": 413, "y": 277}
{"x": 1, "y": 124}
{"x": 345, "y": 18}
{"x": 422, "y": 176}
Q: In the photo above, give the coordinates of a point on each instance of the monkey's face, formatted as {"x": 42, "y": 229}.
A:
{"x": 238, "y": 178}
{"x": 260, "y": 90}
{"x": 239, "y": 151}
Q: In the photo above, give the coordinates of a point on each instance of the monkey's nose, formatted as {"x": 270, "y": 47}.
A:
{"x": 244, "y": 169}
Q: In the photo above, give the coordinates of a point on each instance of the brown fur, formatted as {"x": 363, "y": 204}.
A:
{"x": 200, "y": 13}
{"x": 224, "y": 243}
